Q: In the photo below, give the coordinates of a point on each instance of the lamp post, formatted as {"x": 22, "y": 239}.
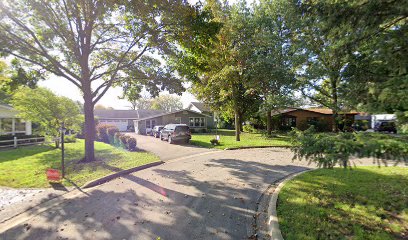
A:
{"x": 63, "y": 129}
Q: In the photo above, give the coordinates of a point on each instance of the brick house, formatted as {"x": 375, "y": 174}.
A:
{"x": 301, "y": 118}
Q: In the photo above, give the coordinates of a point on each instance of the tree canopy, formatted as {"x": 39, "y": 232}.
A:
{"x": 43, "y": 107}
{"x": 96, "y": 44}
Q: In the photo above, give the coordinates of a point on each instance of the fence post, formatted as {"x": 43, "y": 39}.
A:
{"x": 15, "y": 142}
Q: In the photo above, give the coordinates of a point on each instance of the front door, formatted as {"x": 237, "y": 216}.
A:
{"x": 149, "y": 126}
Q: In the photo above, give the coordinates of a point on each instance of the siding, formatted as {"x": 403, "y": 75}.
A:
{"x": 171, "y": 118}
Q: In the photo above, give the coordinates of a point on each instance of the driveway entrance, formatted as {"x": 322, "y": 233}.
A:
{"x": 166, "y": 151}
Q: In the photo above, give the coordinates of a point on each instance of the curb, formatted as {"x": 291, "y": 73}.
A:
{"x": 250, "y": 147}
{"x": 107, "y": 178}
{"x": 273, "y": 221}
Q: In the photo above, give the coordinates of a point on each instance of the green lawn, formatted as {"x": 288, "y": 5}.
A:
{"x": 227, "y": 140}
{"x": 26, "y": 166}
{"x": 363, "y": 203}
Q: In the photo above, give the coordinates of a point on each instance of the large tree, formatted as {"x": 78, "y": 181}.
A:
{"x": 321, "y": 77}
{"x": 363, "y": 45}
{"x": 273, "y": 59}
{"x": 377, "y": 71}
{"x": 167, "y": 102}
{"x": 95, "y": 44}
{"x": 217, "y": 67}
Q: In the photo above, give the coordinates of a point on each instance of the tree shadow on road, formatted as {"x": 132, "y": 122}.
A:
{"x": 202, "y": 207}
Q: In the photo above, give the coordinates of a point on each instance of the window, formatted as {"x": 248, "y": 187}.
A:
{"x": 177, "y": 120}
{"x": 289, "y": 121}
{"x": 6, "y": 125}
{"x": 197, "y": 122}
{"x": 19, "y": 125}
{"x": 153, "y": 123}
{"x": 147, "y": 123}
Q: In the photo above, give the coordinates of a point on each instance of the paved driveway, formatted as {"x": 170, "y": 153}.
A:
{"x": 208, "y": 196}
{"x": 166, "y": 151}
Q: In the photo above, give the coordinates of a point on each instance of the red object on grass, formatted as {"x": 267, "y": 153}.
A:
{"x": 53, "y": 175}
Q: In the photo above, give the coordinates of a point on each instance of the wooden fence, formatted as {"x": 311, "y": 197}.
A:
{"x": 14, "y": 143}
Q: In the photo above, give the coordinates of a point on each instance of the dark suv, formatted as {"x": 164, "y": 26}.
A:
{"x": 385, "y": 126}
{"x": 156, "y": 131}
{"x": 176, "y": 132}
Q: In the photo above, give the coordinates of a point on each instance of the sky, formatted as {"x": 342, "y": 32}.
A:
{"x": 111, "y": 98}
{"x": 63, "y": 87}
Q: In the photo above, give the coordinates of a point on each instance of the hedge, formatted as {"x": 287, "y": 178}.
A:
{"x": 330, "y": 149}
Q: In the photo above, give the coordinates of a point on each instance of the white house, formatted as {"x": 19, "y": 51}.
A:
{"x": 10, "y": 124}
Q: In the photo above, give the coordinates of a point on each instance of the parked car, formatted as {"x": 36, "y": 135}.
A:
{"x": 156, "y": 131}
{"x": 176, "y": 132}
{"x": 385, "y": 126}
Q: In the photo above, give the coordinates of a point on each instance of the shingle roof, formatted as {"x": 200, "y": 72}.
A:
{"x": 167, "y": 113}
{"x": 143, "y": 113}
{"x": 286, "y": 110}
{"x": 6, "y": 106}
{"x": 201, "y": 106}
{"x": 126, "y": 114}
{"x": 325, "y": 111}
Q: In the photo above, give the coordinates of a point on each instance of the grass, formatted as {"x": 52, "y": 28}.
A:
{"x": 363, "y": 203}
{"x": 26, "y": 166}
{"x": 227, "y": 140}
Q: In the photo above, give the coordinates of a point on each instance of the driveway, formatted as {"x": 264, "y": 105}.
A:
{"x": 166, "y": 151}
{"x": 207, "y": 196}
{"x": 196, "y": 194}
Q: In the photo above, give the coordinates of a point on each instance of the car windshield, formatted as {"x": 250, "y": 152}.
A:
{"x": 182, "y": 129}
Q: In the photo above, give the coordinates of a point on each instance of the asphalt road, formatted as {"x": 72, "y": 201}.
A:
{"x": 200, "y": 194}
{"x": 166, "y": 151}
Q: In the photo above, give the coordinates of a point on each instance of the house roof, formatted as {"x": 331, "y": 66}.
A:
{"x": 6, "y": 106}
{"x": 126, "y": 114}
{"x": 201, "y": 106}
{"x": 328, "y": 111}
{"x": 324, "y": 111}
{"x": 168, "y": 113}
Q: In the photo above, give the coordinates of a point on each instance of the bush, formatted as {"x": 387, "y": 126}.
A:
{"x": 124, "y": 140}
{"x": 117, "y": 140}
{"x": 249, "y": 128}
{"x": 214, "y": 142}
{"x": 101, "y": 132}
{"x": 131, "y": 144}
{"x": 69, "y": 138}
{"x": 111, "y": 131}
{"x": 330, "y": 149}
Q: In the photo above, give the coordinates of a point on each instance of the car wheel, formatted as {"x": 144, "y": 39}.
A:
{"x": 170, "y": 140}
{"x": 187, "y": 141}
{"x": 161, "y": 137}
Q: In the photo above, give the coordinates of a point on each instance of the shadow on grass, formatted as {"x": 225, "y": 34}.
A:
{"x": 21, "y": 152}
{"x": 358, "y": 203}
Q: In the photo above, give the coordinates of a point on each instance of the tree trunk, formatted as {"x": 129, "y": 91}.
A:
{"x": 335, "y": 104}
{"x": 241, "y": 126}
{"x": 269, "y": 123}
{"x": 89, "y": 128}
{"x": 237, "y": 127}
